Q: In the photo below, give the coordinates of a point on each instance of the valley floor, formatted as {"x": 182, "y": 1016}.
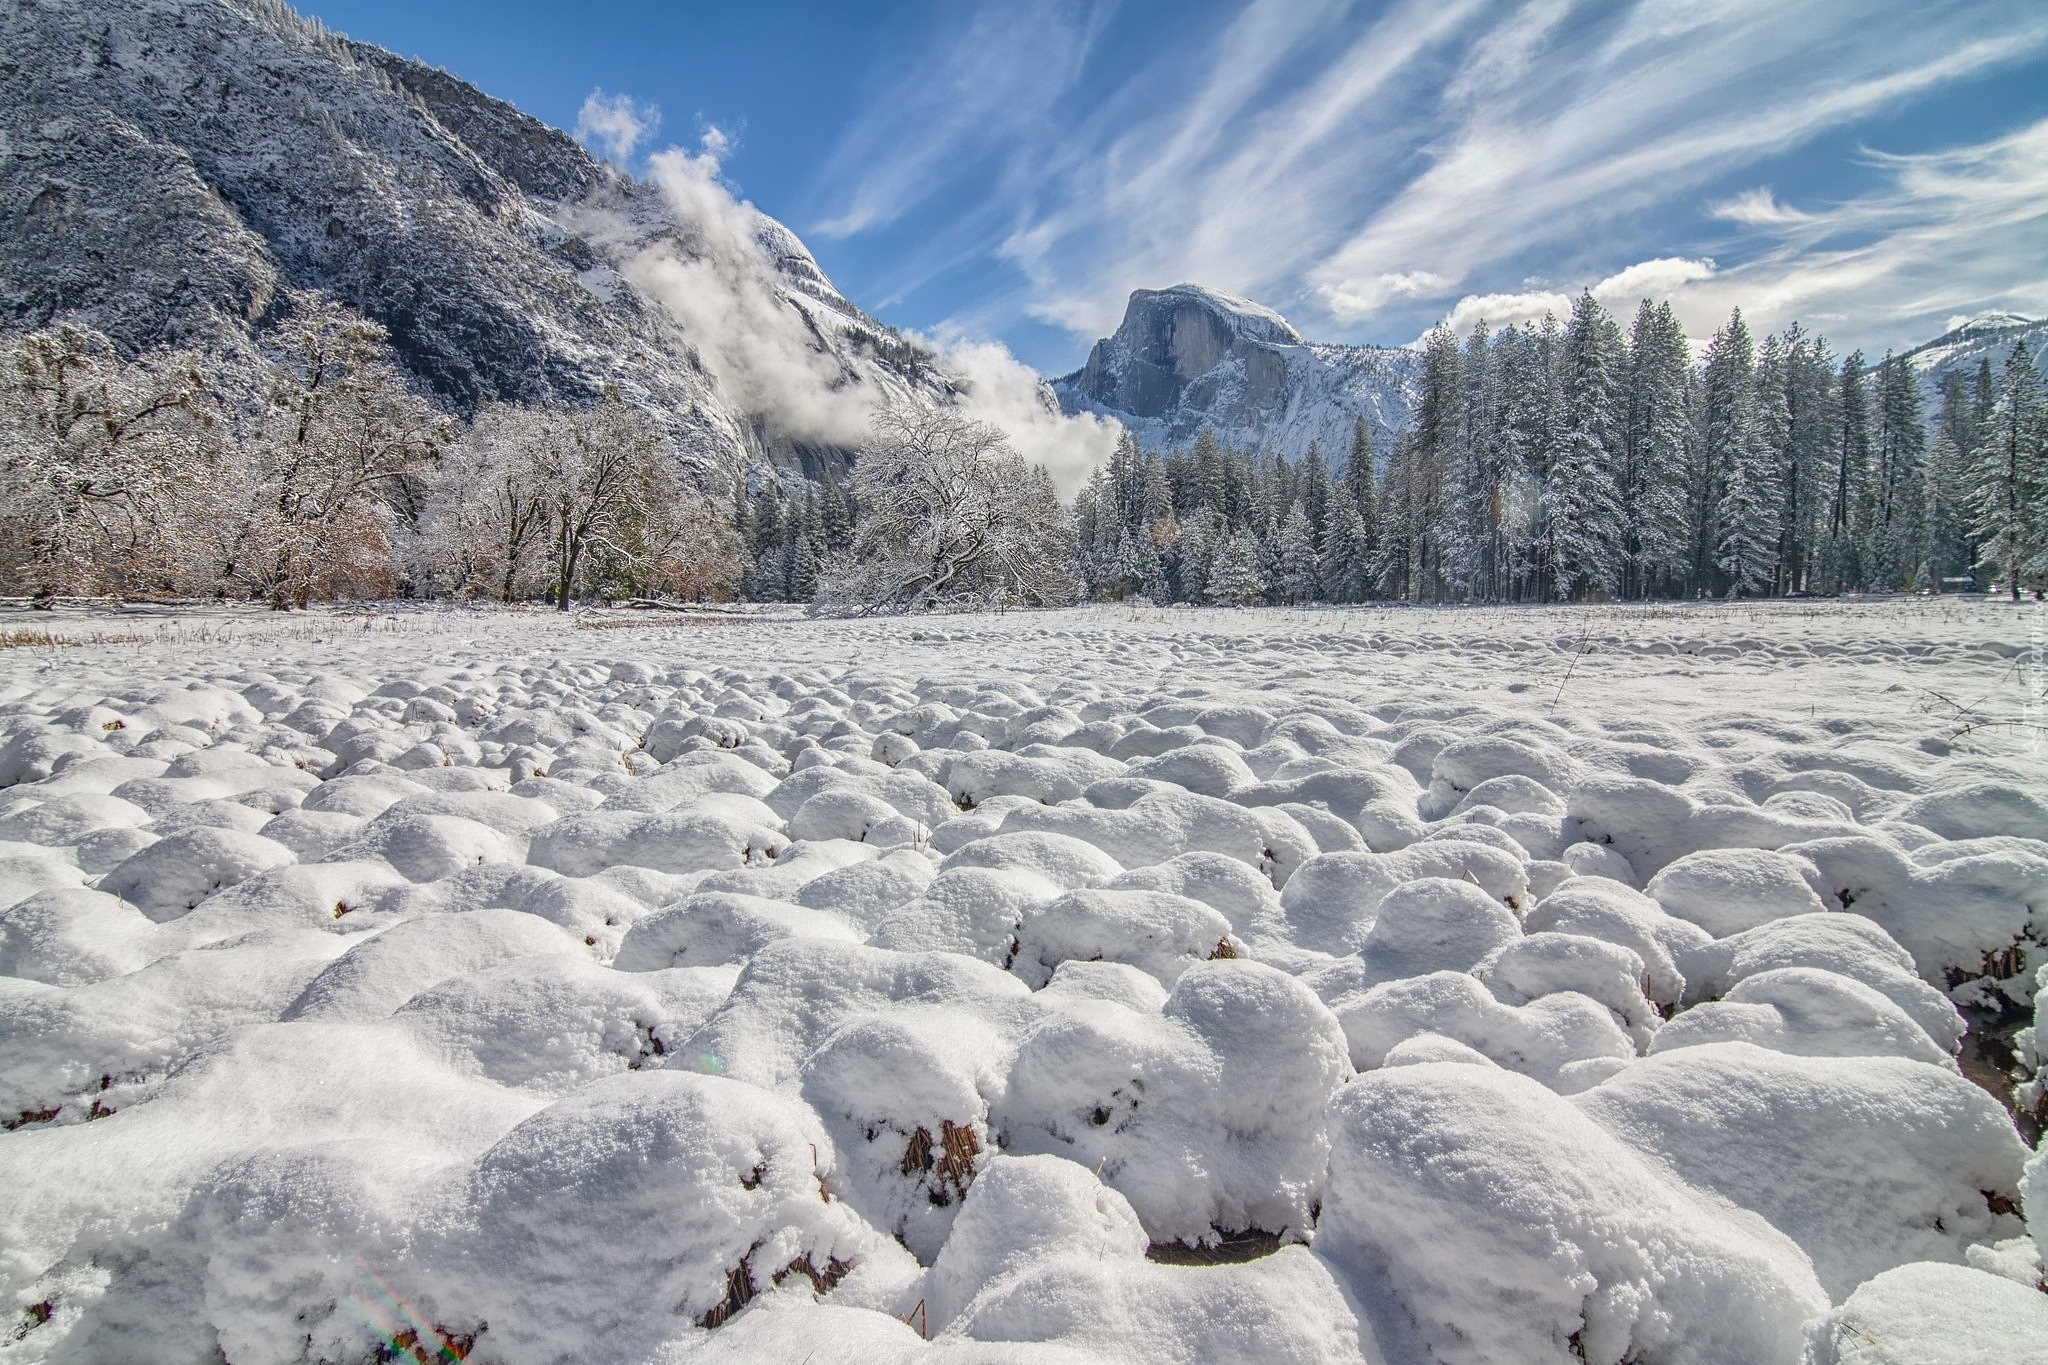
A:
{"x": 1378, "y": 984}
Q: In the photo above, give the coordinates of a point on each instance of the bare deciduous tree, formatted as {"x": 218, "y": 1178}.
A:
{"x": 484, "y": 519}
{"x": 341, "y": 438}
{"x": 948, "y": 515}
{"x": 564, "y": 502}
{"x": 103, "y": 463}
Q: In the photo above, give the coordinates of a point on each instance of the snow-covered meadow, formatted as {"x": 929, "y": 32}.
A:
{"x": 1109, "y": 984}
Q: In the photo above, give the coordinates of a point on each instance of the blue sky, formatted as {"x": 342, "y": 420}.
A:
{"x": 1012, "y": 171}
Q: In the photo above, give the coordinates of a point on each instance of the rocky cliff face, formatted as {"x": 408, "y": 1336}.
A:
{"x": 167, "y": 167}
{"x": 1189, "y": 358}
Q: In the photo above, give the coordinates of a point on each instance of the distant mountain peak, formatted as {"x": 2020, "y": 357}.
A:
{"x": 1995, "y": 321}
{"x": 1253, "y": 318}
{"x": 1189, "y": 358}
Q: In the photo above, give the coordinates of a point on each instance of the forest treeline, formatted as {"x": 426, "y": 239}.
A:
{"x": 1555, "y": 461}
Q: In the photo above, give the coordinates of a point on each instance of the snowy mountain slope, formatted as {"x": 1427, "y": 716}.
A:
{"x": 172, "y": 166}
{"x": 1190, "y": 357}
{"x": 1957, "y": 351}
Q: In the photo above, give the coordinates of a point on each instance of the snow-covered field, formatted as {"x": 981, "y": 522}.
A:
{"x": 1114, "y": 984}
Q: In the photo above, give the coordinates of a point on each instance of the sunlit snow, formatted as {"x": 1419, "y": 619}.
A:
{"x": 1105, "y": 984}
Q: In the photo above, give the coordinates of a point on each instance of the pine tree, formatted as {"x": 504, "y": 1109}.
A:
{"x": 1155, "y": 515}
{"x": 1652, "y": 482}
{"x": 1299, "y": 565}
{"x": 1394, "y": 570}
{"x": 1315, "y": 488}
{"x": 1124, "y": 483}
{"x": 1210, "y": 474}
{"x": 1234, "y": 579}
{"x": 1199, "y": 533}
{"x": 1737, "y": 515}
{"x": 1471, "y": 503}
{"x": 2010, "y": 471}
{"x": 836, "y": 516}
{"x": 1951, "y": 551}
{"x": 1582, "y": 509}
{"x": 1361, "y": 481}
{"x": 1774, "y": 435}
{"x": 1841, "y": 564}
{"x": 800, "y": 569}
{"x": 1893, "y": 547}
{"x": 1948, "y": 503}
{"x": 1531, "y": 433}
{"x": 1343, "y": 558}
{"x": 1803, "y": 472}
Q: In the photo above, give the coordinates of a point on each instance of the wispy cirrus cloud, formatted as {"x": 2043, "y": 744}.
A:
{"x": 989, "y": 81}
{"x": 1369, "y": 167}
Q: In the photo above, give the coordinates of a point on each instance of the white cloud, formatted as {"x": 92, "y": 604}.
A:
{"x": 1500, "y": 311}
{"x": 1002, "y": 390}
{"x": 1414, "y": 284}
{"x": 1757, "y": 208}
{"x": 1655, "y": 280}
{"x": 1945, "y": 237}
{"x": 616, "y": 124}
{"x": 1951, "y": 233}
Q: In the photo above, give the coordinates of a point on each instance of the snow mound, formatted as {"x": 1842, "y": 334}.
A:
{"x": 1497, "y": 1222}
{"x": 1866, "y": 1162}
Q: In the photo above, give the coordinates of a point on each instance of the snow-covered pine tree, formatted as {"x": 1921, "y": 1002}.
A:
{"x": 1343, "y": 558}
{"x": 1209, "y": 473}
{"x": 1582, "y": 511}
{"x": 800, "y": 568}
{"x": 1739, "y": 514}
{"x": 1437, "y": 416}
{"x": 836, "y": 516}
{"x": 1774, "y": 432}
{"x": 1946, "y": 476}
{"x": 1361, "y": 481}
{"x": 2010, "y": 472}
{"x": 1533, "y": 426}
{"x": 1839, "y": 562}
{"x": 1523, "y": 443}
{"x": 1125, "y": 483}
{"x": 1652, "y": 483}
{"x": 1394, "y": 569}
{"x": 1900, "y": 442}
{"x": 1299, "y": 565}
{"x": 1122, "y": 574}
{"x": 1810, "y": 404}
{"x": 1155, "y": 514}
{"x": 1951, "y": 545}
{"x": 1469, "y": 501}
{"x": 1193, "y": 552}
{"x": 1234, "y": 579}
{"x": 1315, "y": 487}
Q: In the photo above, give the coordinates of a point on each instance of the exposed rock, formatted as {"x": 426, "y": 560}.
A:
{"x": 1189, "y": 357}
